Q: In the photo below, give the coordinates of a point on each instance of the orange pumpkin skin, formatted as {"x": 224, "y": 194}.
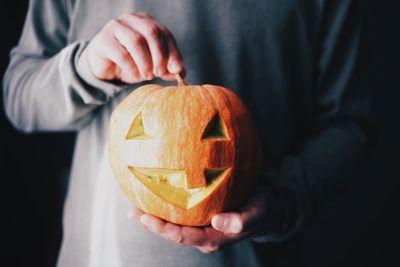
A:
{"x": 184, "y": 153}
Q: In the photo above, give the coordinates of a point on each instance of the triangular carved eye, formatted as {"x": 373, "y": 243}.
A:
{"x": 215, "y": 129}
{"x": 136, "y": 131}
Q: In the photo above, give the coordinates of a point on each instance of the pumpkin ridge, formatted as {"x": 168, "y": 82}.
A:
{"x": 201, "y": 93}
{"x": 149, "y": 97}
{"x": 215, "y": 105}
{"x": 151, "y": 94}
{"x": 155, "y": 89}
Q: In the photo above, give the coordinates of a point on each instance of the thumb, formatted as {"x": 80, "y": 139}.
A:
{"x": 236, "y": 222}
{"x": 243, "y": 221}
{"x": 228, "y": 223}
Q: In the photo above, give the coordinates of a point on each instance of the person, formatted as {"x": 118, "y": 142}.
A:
{"x": 294, "y": 63}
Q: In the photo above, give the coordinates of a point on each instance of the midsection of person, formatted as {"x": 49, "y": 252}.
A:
{"x": 247, "y": 46}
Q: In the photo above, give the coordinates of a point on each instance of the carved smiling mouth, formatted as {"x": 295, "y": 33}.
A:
{"x": 170, "y": 185}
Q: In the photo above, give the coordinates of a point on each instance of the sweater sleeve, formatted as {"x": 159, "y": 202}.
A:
{"x": 48, "y": 85}
{"x": 307, "y": 180}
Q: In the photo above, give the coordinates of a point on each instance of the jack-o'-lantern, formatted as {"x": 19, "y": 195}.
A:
{"x": 184, "y": 153}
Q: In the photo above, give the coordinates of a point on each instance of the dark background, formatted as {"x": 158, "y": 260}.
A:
{"x": 361, "y": 229}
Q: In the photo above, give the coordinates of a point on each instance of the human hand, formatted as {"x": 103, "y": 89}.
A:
{"x": 226, "y": 228}
{"x": 134, "y": 48}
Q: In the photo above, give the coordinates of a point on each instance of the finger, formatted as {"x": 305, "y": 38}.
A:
{"x": 169, "y": 77}
{"x": 155, "y": 41}
{"x": 172, "y": 78}
{"x": 165, "y": 229}
{"x": 194, "y": 236}
{"x": 137, "y": 47}
{"x": 135, "y": 214}
{"x": 153, "y": 223}
{"x": 229, "y": 223}
{"x": 240, "y": 222}
{"x": 175, "y": 62}
{"x": 206, "y": 239}
{"x": 121, "y": 57}
{"x": 185, "y": 235}
{"x": 162, "y": 228}
{"x": 215, "y": 240}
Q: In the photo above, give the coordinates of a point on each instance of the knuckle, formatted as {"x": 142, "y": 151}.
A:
{"x": 123, "y": 56}
{"x": 125, "y": 15}
{"x": 153, "y": 31}
{"x": 137, "y": 39}
{"x": 168, "y": 35}
{"x": 145, "y": 67}
{"x": 166, "y": 32}
{"x": 113, "y": 23}
{"x": 102, "y": 39}
{"x": 179, "y": 239}
{"x": 143, "y": 14}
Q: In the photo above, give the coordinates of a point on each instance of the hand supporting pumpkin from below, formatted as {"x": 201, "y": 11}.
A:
{"x": 260, "y": 215}
{"x": 184, "y": 153}
{"x": 134, "y": 48}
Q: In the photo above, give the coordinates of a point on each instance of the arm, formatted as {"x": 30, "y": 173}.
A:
{"x": 305, "y": 181}
{"x": 308, "y": 180}
{"x": 53, "y": 85}
{"x": 42, "y": 87}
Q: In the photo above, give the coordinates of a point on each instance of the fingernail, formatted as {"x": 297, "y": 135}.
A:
{"x": 235, "y": 226}
{"x": 174, "y": 67}
{"x": 219, "y": 222}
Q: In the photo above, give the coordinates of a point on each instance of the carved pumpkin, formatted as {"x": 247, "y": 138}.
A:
{"x": 184, "y": 153}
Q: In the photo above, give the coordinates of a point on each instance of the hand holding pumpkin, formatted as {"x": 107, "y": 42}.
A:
{"x": 189, "y": 153}
{"x": 134, "y": 48}
{"x": 225, "y": 229}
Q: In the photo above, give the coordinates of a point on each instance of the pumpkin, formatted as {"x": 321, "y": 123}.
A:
{"x": 184, "y": 153}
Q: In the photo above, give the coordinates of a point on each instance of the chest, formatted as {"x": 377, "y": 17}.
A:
{"x": 193, "y": 21}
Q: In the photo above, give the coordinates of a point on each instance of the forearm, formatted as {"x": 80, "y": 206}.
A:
{"x": 57, "y": 93}
{"x": 312, "y": 175}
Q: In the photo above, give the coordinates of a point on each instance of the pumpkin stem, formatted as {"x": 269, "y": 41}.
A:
{"x": 179, "y": 79}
